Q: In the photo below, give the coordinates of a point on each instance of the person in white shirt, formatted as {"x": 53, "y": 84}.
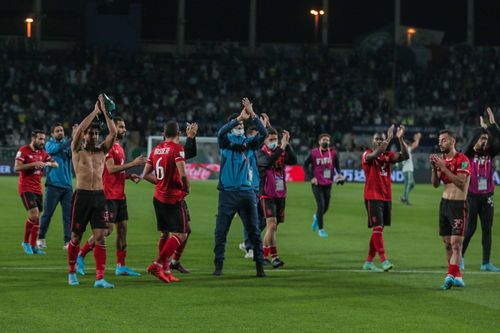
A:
{"x": 409, "y": 181}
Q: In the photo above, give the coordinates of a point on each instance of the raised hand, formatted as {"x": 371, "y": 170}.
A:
{"x": 285, "y": 139}
{"x": 490, "y": 115}
{"x": 191, "y": 130}
{"x": 390, "y": 133}
{"x": 244, "y": 115}
{"x": 417, "y": 136}
{"x": 139, "y": 160}
{"x": 400, "y": 131}
{"x": 482, "y": 123}
{"x": 248, "y": 107}
{"x": 437, "y": 161}
{"x": 265, "y": 120}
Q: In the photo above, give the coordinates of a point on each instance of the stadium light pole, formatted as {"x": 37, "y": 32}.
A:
{"x": 28, "y": 21}
{"x": 316, "y": 13}
{"x": 410, "y": 32}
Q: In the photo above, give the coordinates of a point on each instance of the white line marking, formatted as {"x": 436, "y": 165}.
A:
{"x": 286, "y": 270}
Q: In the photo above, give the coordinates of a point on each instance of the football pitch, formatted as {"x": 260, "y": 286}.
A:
{"x": 320, "y": 289}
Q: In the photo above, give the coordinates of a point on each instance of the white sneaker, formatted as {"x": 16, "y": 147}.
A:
{"x": 41, "y": 244}
{"x": 65, "y": 246}
{"x": 242, "y": 247}
{"x": 249, "y": 254}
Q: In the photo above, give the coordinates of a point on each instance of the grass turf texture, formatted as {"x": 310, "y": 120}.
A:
{"x": 320, "y": 289}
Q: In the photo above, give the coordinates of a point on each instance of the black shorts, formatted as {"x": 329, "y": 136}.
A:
{"x": 452, "y": 217}
{"x": 273, "y": 208}
{"x": 88, "y": 206}
{"x": 171, "y": 218}
{"x": 379, "y": 213}
{"x": 117, "y": 209}
{"x": 32, "y": 200}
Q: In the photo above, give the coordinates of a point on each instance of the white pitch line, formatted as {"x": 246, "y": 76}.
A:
{"x": 286, "y": 270}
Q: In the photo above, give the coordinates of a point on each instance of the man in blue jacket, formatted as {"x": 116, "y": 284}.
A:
{"x": 58, "y": 185}
{"x": 236, "y": 184}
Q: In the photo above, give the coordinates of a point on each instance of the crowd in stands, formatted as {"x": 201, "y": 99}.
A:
{"x": 308, "y": 92}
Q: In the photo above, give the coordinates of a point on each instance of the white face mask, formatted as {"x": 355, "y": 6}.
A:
{"x": 237, "y": 131}
{"x": 272, "y": 145}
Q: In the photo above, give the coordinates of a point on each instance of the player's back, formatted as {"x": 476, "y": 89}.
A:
{"x": 163, "y": 159}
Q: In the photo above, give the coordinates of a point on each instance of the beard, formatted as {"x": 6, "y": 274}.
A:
{"x": 119, "y": 136}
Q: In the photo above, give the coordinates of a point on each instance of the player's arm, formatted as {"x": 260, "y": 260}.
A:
{"x": 20, "y": 166}
{"x": 468, "y": 149}
{"x": 50, "y": 162}
{"x": 290, "y": 157}
{"x": 181, "y": 166}
{"x": 110, "y": 138}
{"x": 459, "y": 179}
{"x": 190, "y": 146}
{"x": 54, "y": 147}
{"x": 113, "y": 168}
{"x": 256, "y": 141}
{"x": 147, "y": 174}
{"x": 307, "y": 166}
{"x": 493, "y": 133}
{"x": 78, "y": 131}
{"x": 403, "y": 154}
{"x": 377, "y": 152}
{"x": 434, "y": 176}
{"x": 416, "y": 141}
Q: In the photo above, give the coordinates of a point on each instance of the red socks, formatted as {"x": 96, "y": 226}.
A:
{"x": 100, "y": 261}
{"x": 34, "y": 234}
{"x": 27, "y": 230}
{"x": 86, "y": 249}
{"x": 378, "y": 242}
{"x": 372, "y": 251}
{"x": 267, "y": 251}
{"x": 72, "y": 255}
{"x": 169, "y": 248}
{"x": 180, "y": 250}
{"x": 120, "y": 257}
{"x": 273, "y": 251}
{"x": 454, "y": 270}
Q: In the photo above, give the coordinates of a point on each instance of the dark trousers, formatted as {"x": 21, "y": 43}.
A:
{"x": 322, "y": 195}
{"x": 53, "y": 196}
{"x": 245, "y": 203}
{"x": 481, "y": 205}
{"x": 262, "y": 225}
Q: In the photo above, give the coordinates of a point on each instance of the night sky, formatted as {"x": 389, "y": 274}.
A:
{"x": 281, "y": 21}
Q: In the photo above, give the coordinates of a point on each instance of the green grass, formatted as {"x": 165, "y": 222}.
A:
{"x": 321, "y": 288}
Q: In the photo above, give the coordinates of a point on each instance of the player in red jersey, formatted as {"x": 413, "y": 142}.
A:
{"x": 190, "y": 151}
{"x": 453, "y": 169}
{"x": 167, "y": 160}
{"x": 113, "y": 181}
{"x": 30, "y": 161}
{"x": 376, "y": 163}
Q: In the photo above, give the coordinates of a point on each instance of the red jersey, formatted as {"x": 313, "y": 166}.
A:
{"x": 378, "y": 185}
{"x": 163, "y": 158}
{"x": 114, "y": 183}
{"x": 457, "y": 164}
{"x": 31, "y": 180}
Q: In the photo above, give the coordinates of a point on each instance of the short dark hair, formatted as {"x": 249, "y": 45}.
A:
{"x": 449, "y": 132}
{"x": 171, "y": 129}
{"x": 324, "y": 134}
{"x": 233, "y": 116}
{"x": 93, "y": 125}
{"x": 272, "y": 131}
{"x": 54, "y": 125}
{"x": 35, "y": 132}
{"x": 117, "y": 119}
{"x": 252, "y": 128}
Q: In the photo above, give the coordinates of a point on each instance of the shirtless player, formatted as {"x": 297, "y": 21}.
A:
{"x": 89, "y": 203}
